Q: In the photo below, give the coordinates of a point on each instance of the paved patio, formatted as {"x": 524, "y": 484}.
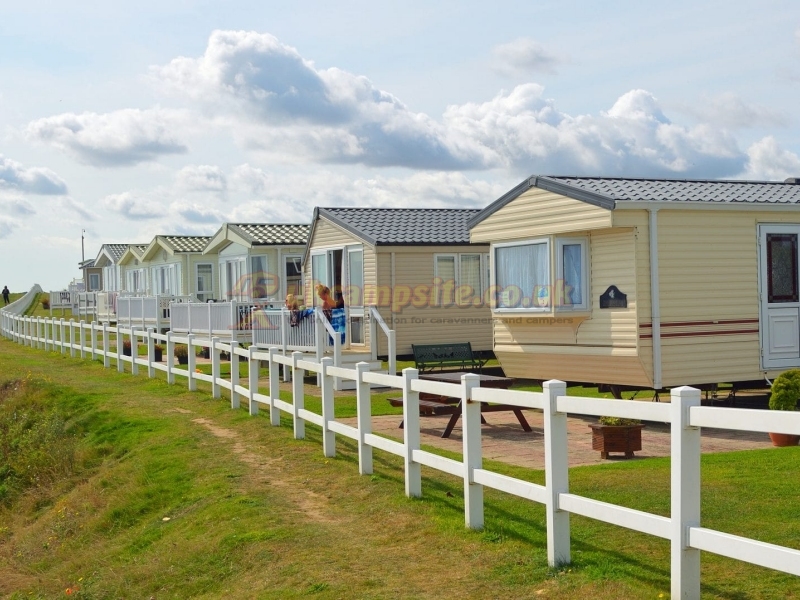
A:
{"x": 505, "y": 441}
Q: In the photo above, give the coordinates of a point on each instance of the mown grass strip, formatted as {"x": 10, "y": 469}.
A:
{"x": 172, "y": 494}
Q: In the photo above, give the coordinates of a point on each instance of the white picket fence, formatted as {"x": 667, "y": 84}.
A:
{"x": 685, "y": 414}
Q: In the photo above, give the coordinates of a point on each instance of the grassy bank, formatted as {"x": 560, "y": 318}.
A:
{"x": 139, "y": 489}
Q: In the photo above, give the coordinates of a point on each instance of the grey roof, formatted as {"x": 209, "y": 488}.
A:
{"x": 186, "y": 243}
{"x": 272, "y": 234}
{"x": 115, "y": 251}
{"x": 86, "y": 264}
{"x": 607, "y": 191}
{"x": 404, "y": 226}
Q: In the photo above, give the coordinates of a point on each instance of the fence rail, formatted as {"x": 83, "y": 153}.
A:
{"x": 684, "y": 414}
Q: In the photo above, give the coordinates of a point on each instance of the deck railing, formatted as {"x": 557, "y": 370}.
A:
{"x": 223, "y": 319}
{"x": 684, "y": 413}
{"x": 147, "y": 311}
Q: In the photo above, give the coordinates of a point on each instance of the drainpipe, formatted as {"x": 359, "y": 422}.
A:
{"x": 655, "y": 302}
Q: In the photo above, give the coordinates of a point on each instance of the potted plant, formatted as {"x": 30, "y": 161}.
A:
{"x": 126, "y": 347}
{"x": 46, "y": 302}
{"x": 182, "y": 353}
{"x": 158, "y": 352}
{"x": 204, "y": 352}
{"x": 785, "y": 392}
{"x": 616, "y": 434}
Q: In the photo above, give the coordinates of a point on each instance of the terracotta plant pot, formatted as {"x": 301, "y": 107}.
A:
{"x": 784, "y": 439}
{"x": 616, "y": 438}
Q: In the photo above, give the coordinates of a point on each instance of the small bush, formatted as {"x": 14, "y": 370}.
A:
{"x": 46, "y": 303}
{"x": 181, "y": 350}
{"x": 785, "y": 391}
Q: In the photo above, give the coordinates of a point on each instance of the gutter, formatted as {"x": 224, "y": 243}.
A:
{"x": 655, "y": 301}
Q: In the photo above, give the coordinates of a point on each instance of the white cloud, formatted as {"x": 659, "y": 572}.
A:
{"x": 338, "y": 116}
{"x": 32, "y": 180}
{"x": 523, "y": 57}
{"x": 292, "y": 198}
{"x": 284, "y": 108}
{"x": 196, "y": 213}
{"x": 133, "y": 206}
{"x": 120, "y": 138}
{"x": 768, "y": 160}
{"x": 526, "y": 133}
{"x": 201, "y": 178}
{"x": 7, "y": 227}
{"x": 76, "y": 207}
{"x": 729, "y": 110}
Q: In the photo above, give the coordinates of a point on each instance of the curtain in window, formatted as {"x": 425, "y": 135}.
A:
{"x": 470, "y": 275}
{"x": 572, "y": 268}
{"x": 522, "y": 276}
{"x": 446, "y": 270}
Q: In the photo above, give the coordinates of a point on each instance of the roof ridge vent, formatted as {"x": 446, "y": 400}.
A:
{"x": 792, "y": 180}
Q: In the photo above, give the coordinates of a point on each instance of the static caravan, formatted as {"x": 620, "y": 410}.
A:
{"x": 133, "y": 275}
{"x": 108, "y": 260}
{"x": 176, "y": 266}
{"x": 92, "y": 275}
{"x": 416, "y": 265}
{"x": 648, "y": 283}
{"x": 259, "y": 260}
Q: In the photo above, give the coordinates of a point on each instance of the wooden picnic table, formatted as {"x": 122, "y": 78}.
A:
{"x": 449, "y": 405}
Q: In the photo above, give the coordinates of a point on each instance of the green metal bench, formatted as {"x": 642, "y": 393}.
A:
{"x": 432, "y": 357}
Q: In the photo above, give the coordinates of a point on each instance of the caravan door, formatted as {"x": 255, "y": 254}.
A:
{"x": 780, "y": 300}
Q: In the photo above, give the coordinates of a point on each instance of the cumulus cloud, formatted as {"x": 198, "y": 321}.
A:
{"x": 72, "y": 205}
{"x": 201, "y": 178}
{"x": 133, "y": 206}
{"x": 278, "y": 197}
{"x": 523, "y": 57}
{"x": 523, "y": 131}
{"x": 7, "y": 227}
{"x": 120, "y": 138}
{"x": 729, "y": 110}
{"x": 286, "y": 108}
{"x": 339, "y": 116}
{"x": 16, "y": 206}
{"x": 768, "y": 160}
{"x": 32, "y": 180}
{"x": 196, "y": 213}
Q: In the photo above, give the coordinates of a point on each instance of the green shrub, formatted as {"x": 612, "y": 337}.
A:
{"x": 785, "y": 391}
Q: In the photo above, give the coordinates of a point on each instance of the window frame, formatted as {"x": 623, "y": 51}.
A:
{"x": 583, "y": 242}
{"x": 555, "y": 264}
{"x": 483, "y": 276}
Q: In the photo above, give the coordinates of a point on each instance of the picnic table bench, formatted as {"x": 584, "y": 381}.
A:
{"x": 434, "y": 404}
{"x": 429, "y": 357}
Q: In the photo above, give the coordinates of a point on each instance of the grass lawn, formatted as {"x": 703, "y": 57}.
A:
{"x": 116, "y": 486}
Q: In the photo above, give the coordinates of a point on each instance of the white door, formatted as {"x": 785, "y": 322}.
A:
{"x": 779, "y": 262}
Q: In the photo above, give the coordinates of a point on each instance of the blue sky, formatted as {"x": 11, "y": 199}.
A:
{"x": 175, "y": 116}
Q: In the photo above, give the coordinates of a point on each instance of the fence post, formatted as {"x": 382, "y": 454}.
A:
{"x": 151, "y": 353}
{"x": 298, "y": 397}
{"x": 473, "y": 457}
{"x": 234, "y": 374}
{"x": 274, "y": 387}
{"x": 413, "y": 470}
{"x": 685, "y": 489}
{"x": 170, "y": 358}
{"x": 82, "y": 337}
{"x": 134, "y": 351}
{"x": 191, "y": 364}
{"x": 38, "y": 332}
{"x": 252, "y": 374}
{"x": 120, "y": 342}
{"x": 364, "y": 418}
{"x": 328, "y": 436}
{"x": 72, "y": 338}
{"x": 106, "y": 340}
{"x": 556, "y": 474}
{"x": 93, "y": 330}
{"x": 390, "y": 339}
{"x": 216, "y": 372}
